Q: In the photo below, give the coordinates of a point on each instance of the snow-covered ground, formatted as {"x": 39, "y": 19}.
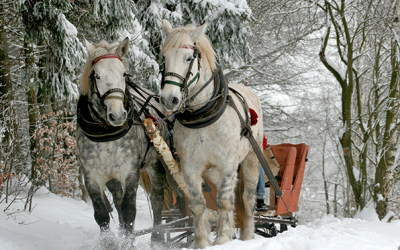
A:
{"x": 64, "y": 223}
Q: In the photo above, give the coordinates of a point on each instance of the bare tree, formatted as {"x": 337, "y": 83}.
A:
{"x": 365, "y": 46}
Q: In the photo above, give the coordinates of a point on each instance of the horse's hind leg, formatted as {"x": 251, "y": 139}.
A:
{"x": 225, "y": 201}
{"x": 251, "y": 168}
{"x": 115, "y": 188}
{"x": 158, "y": 180}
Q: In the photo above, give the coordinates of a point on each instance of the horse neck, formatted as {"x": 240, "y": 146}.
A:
{"x": 206, "y": 94}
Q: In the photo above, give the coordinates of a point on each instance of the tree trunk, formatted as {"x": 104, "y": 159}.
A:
{"x": 384, "y": 177}
{"x": 326, "y": 187}
{"x": 33, "y": 110}
{"x": 5, "y": 78}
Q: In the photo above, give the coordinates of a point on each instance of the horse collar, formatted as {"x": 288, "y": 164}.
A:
{"x": 211, "y": 112}
{"x": 97, "y": 130}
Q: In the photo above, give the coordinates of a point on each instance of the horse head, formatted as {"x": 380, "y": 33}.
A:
{"x": 188, "y": 53}
{"x": 103, "y": 80}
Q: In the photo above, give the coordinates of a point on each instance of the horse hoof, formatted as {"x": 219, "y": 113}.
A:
{"x": 158, "y": 245}
{"x": 108, "y": 241}
{"x": 201, "y": 243}
{"x": 247, "y": 236}
{"x": 128, "y": 242}
{"x": 157, "y": 237}
{"x": 221, "y": 240}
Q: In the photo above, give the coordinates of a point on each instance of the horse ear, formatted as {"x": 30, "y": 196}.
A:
{"x": 166, "y": 27}
{"x": 199, "y": 31}
{"x": 90, "y": 47}
{"x": 123, "y": 48}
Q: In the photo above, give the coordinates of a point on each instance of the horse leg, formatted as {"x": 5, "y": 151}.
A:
{"x": 225, "y": 201}
{"x": 128, "y": 205}
{"x": 158, "y": 180}
{"x": 197, "y": 206}
{"x": 117, "y": 193}
{"x": 251, "y": 168}
{"x": 100, "y": 210}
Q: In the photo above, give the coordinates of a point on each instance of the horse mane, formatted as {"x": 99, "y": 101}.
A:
{"x": 180, "y": 36}
{"x": 102, "y": 48}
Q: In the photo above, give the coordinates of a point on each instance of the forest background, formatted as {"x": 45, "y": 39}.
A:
{"x": 326, "y": 72}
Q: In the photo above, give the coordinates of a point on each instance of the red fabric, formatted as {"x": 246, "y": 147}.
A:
{"x": 254, "y": 117}
{"x": 265, "y": 143}
{"x": 151, "y": 117}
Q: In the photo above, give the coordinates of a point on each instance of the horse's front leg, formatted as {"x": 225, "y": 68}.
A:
{"x": 197, "y": 205}
{"x": 100, "y": 210}
{"x": 115, "y": 188}
{"x": 225, "y": 202}
{"x": 107, "y": 239}
{"x": 158, "y": 180}
{"x": 128, "y": 205}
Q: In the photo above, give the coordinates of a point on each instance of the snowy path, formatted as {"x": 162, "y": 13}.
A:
{"x": 63, "y": 223}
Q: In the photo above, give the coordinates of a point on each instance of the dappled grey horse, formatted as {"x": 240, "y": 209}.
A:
{"x": 112, "y": 145}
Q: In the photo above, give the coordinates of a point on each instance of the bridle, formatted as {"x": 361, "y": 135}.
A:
{"x": 185, "y": 84}
{"x": 93, "y": 85}
{"x": 127, "y": 102}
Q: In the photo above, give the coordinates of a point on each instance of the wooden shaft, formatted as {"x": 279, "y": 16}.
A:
{"x": 162, "y": 148}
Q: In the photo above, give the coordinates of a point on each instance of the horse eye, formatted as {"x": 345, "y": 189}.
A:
{"x": 189, "y": 59}
{"x": 97, "y": 76}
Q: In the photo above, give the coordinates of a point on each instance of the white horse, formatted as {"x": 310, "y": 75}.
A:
{"x": 208, "y": 134}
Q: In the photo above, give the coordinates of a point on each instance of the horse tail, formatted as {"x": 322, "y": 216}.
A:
{"x": 145, "y": 181}
{"x": 240, "y": 215}
{"x": 146, "y": 184}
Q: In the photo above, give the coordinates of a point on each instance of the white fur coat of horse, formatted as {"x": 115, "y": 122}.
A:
{"x": 214, "y": 151}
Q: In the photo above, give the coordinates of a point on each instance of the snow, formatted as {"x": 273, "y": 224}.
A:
{"x": 356, "y": 173}
{"x": 368, "y": 213}
{"x": 68, "y": 26}
{"x": 68, "y": 223}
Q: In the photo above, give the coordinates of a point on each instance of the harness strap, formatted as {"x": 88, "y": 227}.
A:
{"x": 145, "y": 104}
{"x": 135, "y": 87}
{"x": 249, "y": 135}
{"x": 204, "y": 86}
{"x": 246, "y": 125}
{"x": 97, "y": 59}
{"x": 176, "y": 75}
{"x": 111, "y": 91}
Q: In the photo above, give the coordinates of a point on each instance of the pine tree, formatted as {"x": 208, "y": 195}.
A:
{"x": 228, "y": 25}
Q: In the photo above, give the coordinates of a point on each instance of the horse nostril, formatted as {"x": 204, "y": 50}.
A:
{"x": 124, "y": 115}
{"x": 174, "y": 100}
{"x": 111, "y": 117}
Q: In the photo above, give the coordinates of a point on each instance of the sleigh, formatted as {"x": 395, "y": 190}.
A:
{"x": 178, "y": 223}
